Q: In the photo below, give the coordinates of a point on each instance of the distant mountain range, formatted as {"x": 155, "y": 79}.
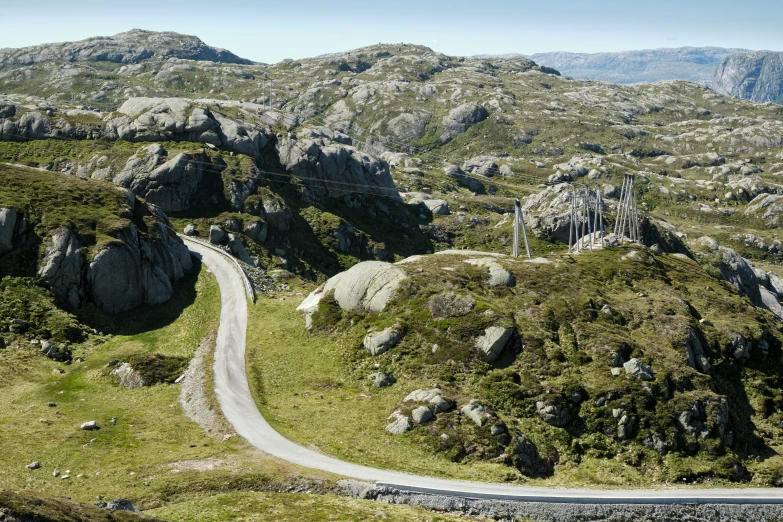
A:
{"x": 694, "y": 64}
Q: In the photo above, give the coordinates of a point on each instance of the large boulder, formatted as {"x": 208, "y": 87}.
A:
{"x": 407, "y": 127}
{"x": 368, "y": 285}
{"x": 494, "y": 340}
{"x": 459, "y": 119}
{"x": 378, "y": 343}
{"x": 472, "y": 184}
{"x": 480, "y": 414}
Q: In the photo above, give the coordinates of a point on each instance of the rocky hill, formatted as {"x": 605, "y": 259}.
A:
{"x": 130, "y": 47}
{"x": 88, "y": 242}
{"x": 756, "y": 76}
{"x": 693, "y": 64}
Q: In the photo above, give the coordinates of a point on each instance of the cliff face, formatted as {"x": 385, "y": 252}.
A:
{"x": 119, "y": 256}
{"x": 756, "y": 76}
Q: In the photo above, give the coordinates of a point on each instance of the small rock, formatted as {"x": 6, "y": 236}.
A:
{"x": 56, "y": 473}
{"x": 421, "y": 415}
{"x": 65, "y": 477}
{"x": 636, "y": 368}
{"x": 90, "y": 426}
{"x": 380, "y": 342}
{"x": 190, "y": 230}
{"x": 497, "y": 429}
{"x": 441, "y": 404}
{"x": 399, "y": 426}
{"x": 383, "y": 379}
{"x": 616, "y": 372}
{"x": 51, "y": 404}
{"x": 33, "y": 465}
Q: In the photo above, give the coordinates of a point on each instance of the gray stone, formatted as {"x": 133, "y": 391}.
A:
{"x": 440, "y": 404}
{"x": 421, "y": 415}
{"x": 498, "y": 429}
{"x": 423, "y": 395}
{"x": 636, "y": 368}
{"x": 33, "y": 465}
{"x": 8, "y": 219}
{"x": 383, "y": 379}
{"x": 498, "y": 276}
{"x": 478, "y": 413}
{"x": 62, "y": 267}
{"x": 555, "y": 414}
{"x": 472, "y": 184}
{"x": 368, "y": 285}
{"x": 493, "y": 341}
{"x": 625, "y": 426}
{"x": 739, "y": 347}
{"x": 217, "y": 235}
{"x": 257, "y": 231}
{"x": 276, "y": 213}
{"x": 89, "y": 426}
{"x": 439, "y": 207}
{"x": 399, "y": 425}
{"x": 459, "y": 119}
{"x": 378, "y": 343}
{"x": 238, "y": 250}
{"x": 694, "y": 353}
{"x": 190, "y": 230}
{"x": 129, "y": 378}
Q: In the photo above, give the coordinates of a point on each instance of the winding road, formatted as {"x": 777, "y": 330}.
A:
{"x": 233, "y": 395}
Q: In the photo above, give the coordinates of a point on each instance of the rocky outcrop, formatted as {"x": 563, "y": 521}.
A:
{"x": 127, "y": 376}
{"x": 333, "y": 169}
{"x": 460, "y": 118}
{"x": 756, "y": 76}
{"x": 180, "y": 119}
{"x": 637, "y": 368}
{"x": 694, "y": 352}
{"x": 768, "y": 207}
{"x": 12, "y": 229}
{"x": 62, "y": 267}
{"x": 553, "y": 413}
{"x": 760, "y": 288}
{"x": 472, "y": 184}
{"x": 180, "y": 183}
{"x": 368, "y": 285}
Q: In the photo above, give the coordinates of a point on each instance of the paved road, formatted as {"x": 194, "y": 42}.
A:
{"x": 233, "y": 394}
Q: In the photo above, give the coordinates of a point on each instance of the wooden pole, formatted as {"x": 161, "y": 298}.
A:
{"x": 619, "y": 208}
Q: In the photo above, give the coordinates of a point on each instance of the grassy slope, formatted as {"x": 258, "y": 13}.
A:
{"x": 292, "y": 369}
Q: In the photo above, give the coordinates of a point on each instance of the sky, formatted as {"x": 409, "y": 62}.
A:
{"x": 268, "y": 31}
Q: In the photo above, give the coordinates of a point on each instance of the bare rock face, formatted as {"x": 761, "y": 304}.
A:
{"x": 180, "y": 119}
{"x": 470, "y": 183}
{"x": 62, "y": 267}
{"x": 756, "y": 76}
{"x": 175, "y": 184}
{"x": 368, "y": 285}
{"x": 378, "y": 343}
{"x": 459, "y": 119}
{"x": 12, "y": 226}
{"x": 333, "y": 169}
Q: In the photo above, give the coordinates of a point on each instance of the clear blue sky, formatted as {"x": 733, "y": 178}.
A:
{"x": 270, "y": 31}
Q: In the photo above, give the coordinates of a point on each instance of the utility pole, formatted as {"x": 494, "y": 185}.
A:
{"x": 519, "y": 222}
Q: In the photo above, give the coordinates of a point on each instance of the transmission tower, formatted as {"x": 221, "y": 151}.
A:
{"x": 587, "y": 218}
{"x": 626, "y": 226}
{"x": 519, "y": 222}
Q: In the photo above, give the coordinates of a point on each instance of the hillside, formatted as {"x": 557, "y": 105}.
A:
{"x": 383, "y": 158}
{"x": 756, "y": 76}
{"x": 693, "y": 64}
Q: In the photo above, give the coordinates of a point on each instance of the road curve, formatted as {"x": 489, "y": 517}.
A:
{"x": 233, "y": 395}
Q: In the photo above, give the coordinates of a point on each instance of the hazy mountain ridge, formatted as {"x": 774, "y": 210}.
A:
{"x": 695, "y": 64}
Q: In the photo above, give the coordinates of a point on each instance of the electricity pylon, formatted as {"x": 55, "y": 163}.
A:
{"x": 586, "y": 222}
{"x": 626, "y": 226}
